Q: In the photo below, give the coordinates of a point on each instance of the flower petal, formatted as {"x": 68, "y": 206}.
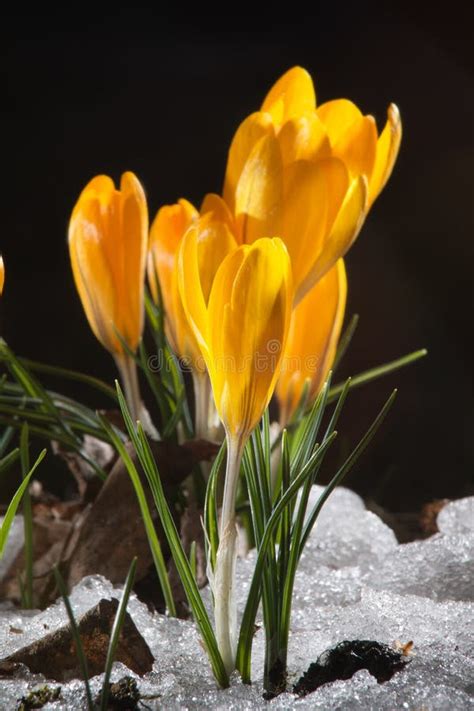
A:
{"x": 2, "y": 274}
{"x": 91, "y": 270}
{"x": 338, "y": 116}
{"x": 215, "y": 241}
{"x": 292, "y": 95}
{"x": 215, "y": 204}
{"x": 312, "y": 340}
{"x": 357, "y": 146}
{"x": 190, "y": 289}
{"x": 304, "y": 137}
{"x": 167, "y": 230}
{"x": 258, "y": 196}
{"x": 388, "y": 146}
{"x": 133, "y": 245}
{"x": 250, "y": 131}
{"x": 344, "y": 231}
{"x": 314, "y": 193}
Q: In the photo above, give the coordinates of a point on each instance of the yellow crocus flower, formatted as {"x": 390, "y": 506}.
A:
{"x": 308, "y": 174}
{"x": 108, "y": 235}
{"x": 241, "y": 329}
{"x": 315, "y": 328}
{"x": 2, "y": 274}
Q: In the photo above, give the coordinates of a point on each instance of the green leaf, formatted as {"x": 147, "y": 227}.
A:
{"x": 153, "y": 540}
{"x": 244, "y": 650}
{"x": 345, "y": 341}
{"x": 27, "y": 519}
{"x": 8, "y": 460}
{"x": 6, "y": 438}
{"x": 14, "y": 503}
{"x": 115, "y": 634}
{"x": 145, "y": 456}
{"x": 210, "y": 507}
{"x": 304, "y": 438}
{"x": 68, "y": 374}
{"x": 76, "y": 637}
{"x": 181, "y": 561}
{"x": 345, "y": 468}
{"x": 368, "y": 375}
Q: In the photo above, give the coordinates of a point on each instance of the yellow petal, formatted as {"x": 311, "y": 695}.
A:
{"x": 130, "y": 284}
{"x": 292, "y": 95}
{"x": 167, "y": 230}
{"x": 190, "y": 289}
{"x": 250, "y": 131}
{"x": 388, "y": 146}
{"x": 314, "y": 193}
{"x": 357, "y": 146}
{"x": 312, "y": 340}
{"x": 251, "y": 301}
{"x": 344, "y": 231}
{"x": 92, "y": 273}
{"x": 258, "y": 196}
{"x": 338, "y": 116}
{"x": 215, "y": 241}
{"x": 2, "y": 274}
{"x": 220, "y": 210}
{"x": 304, "y": 137}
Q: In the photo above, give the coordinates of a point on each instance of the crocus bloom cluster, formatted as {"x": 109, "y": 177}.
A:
{"x": 253, "y": 284}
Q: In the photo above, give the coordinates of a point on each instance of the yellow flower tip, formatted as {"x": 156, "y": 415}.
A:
{"x": 292, "y": 94}
{"x": 2, "y": 274}
{"x": 108, "y": 229}
{"x": 220, "y": 211}
{"x": 388, "y": 146}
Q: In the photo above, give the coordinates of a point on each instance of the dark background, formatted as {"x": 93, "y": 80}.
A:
{"x": 95, "y": 91}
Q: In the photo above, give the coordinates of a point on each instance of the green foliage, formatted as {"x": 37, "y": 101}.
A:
{"x": 15, "y": 502}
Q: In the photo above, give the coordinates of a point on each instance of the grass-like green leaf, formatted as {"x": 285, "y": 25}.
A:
{"x": 9, "y": 459}
{"x": 15, "y": 502}
{"x": 378, "y": 372}
{"x": 181, "y": 561}
{"x": 67, "y": 374}
{"x": 147, "y": 460}
{"x": 345, "y": 468}
{"x": 27, "y": 520}
{"x": 345, "y": 341}
{"x": 153, "y": 540}
{"x": 115, "y": 634}
{"x": 210, "y": 507}
{"x": 81, "y": 657}
{"x": 244, "y": 649}
{"x": 5, "y": 438}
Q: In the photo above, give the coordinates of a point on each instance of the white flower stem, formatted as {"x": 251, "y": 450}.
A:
{"x": 128, "y": 375}
{"x": 202, "y": 394}
{"x": 224, "y": 572}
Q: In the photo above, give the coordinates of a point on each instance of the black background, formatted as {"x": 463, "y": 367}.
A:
{"x": 93, "y": 91}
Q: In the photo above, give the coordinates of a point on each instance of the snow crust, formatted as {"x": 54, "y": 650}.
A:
{"x": 354, "y": 582}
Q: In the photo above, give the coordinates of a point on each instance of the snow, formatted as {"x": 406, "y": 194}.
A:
{"x": 354, "y": 582}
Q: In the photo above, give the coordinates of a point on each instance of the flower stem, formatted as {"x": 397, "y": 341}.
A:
{"x": 202, "y": 393}
{"x": 224, "y": 572}
{"x": 128, "y": 374}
